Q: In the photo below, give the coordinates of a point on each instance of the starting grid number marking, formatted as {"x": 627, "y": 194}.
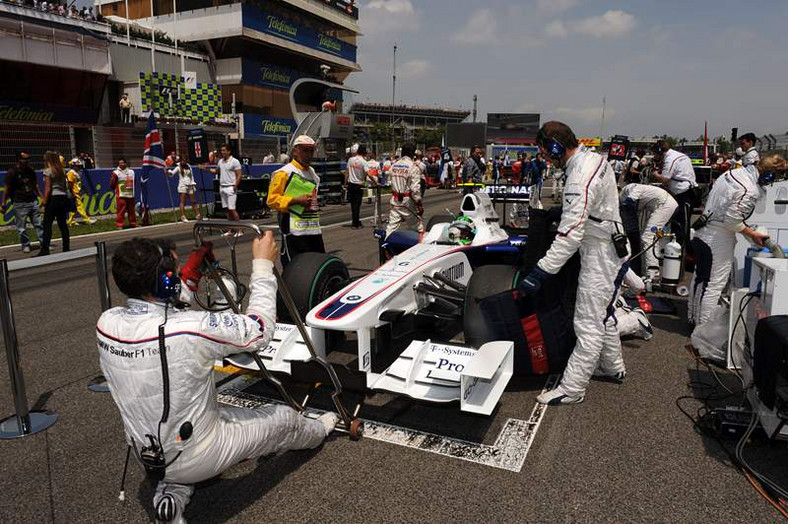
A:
{"x": 508, "y": 452}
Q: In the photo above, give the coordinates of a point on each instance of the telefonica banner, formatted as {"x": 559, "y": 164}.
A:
{"x": 263, "y": 125}
{"x": 291, "y": 30}
{"x": 268, "y": 75}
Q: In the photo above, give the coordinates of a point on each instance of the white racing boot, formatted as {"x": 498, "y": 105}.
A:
{"x": 329, "y": 420}
{"x": 557, "y": 397}
{"x": 612, "y": 377}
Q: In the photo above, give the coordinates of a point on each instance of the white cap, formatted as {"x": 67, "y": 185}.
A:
{"x": 354, "y": 149}
{"x": 304, "y": 140}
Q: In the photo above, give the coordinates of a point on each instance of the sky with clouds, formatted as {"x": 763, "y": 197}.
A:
{"x": 663, "y": 66}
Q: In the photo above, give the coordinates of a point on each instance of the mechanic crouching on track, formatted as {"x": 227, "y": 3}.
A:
{"x": 591, "y": 223}
{"x": 159, "y": 360}
{"x": 299, "y": 214}
{"x": 405, "y": 180}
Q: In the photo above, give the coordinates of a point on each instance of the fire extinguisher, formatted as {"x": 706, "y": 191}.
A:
{"x": 671, "y": 263}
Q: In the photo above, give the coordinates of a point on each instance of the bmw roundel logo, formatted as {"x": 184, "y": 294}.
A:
{"x": 353, "y": 298}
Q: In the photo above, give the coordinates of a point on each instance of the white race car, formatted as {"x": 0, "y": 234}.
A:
{"x": 431, "y": 284}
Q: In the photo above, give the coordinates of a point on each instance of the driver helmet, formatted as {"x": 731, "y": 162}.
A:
{"x": 462, "y": 231}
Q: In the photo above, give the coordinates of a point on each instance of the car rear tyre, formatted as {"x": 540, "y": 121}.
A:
{"x": 485, "y": 281}
{"x": 311, "y": 278}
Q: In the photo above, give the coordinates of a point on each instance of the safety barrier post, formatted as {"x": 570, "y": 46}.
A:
{"x": 99, "y": 383}
{"x": 23, "y": 422}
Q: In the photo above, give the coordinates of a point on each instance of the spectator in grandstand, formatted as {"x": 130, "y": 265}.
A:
{"x": 75, "y": 185}
{"x": 56, "y": 202}
{"x": 125, "y": 108}
{"x": 21, "y": 188}
{"x": 269, "y": 158}
{"x": 186, "y": 187}
{"x": 122, "y": 181}
{"x": 283, "y": 158}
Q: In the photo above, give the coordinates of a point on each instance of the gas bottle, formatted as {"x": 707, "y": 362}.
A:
{"x": 671, "y": 263}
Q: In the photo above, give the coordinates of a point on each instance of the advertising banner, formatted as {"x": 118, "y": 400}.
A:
{"x": 292, "y": 30}
{"x": 263, "y": 125}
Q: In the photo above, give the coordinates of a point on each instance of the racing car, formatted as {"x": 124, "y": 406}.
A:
{"x": 423, "y": 286}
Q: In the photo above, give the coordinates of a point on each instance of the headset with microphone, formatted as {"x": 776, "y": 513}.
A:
{"x": 552, "y": 146}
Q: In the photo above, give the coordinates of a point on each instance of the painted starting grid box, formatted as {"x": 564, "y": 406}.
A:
{"x": 203, "y": 103}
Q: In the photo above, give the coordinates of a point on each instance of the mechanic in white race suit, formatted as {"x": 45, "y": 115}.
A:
{"x": 730, "y": 203}
{"x": 589, "y": 219}
{"x": 405, "y": 181}
{"x": 198, "y": 438}
{"x": 678, "y": 176}
{"x": 632, "y": 321}
{"x": 658, "y": 207}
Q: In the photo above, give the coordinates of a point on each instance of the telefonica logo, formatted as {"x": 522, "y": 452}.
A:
{"x": 274, "y": 127}
{"x": 280, "y": 26}
{"x": 272, "y": 75}
{"x": 26, "y": 114}
{"x": 327, "y": 42}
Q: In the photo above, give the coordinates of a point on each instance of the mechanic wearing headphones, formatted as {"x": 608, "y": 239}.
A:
{"x": 299, "y": 214}
{"x": 731, "y": 202}
{"x": 590, "y": 223}
{"x": 159, "y": 361}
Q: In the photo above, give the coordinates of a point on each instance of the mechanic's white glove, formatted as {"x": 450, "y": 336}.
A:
{"x": 329, "y": 421}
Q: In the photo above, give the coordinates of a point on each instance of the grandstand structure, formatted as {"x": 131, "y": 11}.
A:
{"x": 369, "y": 114}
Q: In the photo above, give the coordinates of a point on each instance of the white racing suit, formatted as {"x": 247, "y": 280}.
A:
{"x": 731, "y": 201}
{"x": 590, "y": 217}
{"x": 632, "y": 321}
{"x": 405, "y": 180}
{"x": 658, "y": 206}
{"x": 128, "y": 344}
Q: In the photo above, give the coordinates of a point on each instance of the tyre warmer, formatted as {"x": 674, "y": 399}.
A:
{"x": 540, "y": 327}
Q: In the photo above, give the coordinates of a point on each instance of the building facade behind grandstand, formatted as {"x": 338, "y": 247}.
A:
{"x": 224, "y": 66}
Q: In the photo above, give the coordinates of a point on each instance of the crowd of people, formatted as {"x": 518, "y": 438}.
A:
{"x": 58, "y": 8}
{"x": 61, "y": 200}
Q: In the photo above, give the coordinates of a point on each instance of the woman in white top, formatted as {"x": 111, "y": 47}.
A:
{"x": 186, "y": 187}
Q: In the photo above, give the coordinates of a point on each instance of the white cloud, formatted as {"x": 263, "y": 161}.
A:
{"x": 400, "y": 7}
{"x": 375, "y": 17}
{"x": 480, "y": 29}
{"x": 555, "y": 29}
{"x": 414, "y": 68}
{"x": 611, "y": 24}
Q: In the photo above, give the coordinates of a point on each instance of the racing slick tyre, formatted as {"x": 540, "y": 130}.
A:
{"x": 437, "y": 219}
{"x": 485, "y": 281}
{"x": 311, "y": 278}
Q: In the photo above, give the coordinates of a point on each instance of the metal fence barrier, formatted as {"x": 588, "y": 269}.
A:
{"x": 25, "y": 422}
